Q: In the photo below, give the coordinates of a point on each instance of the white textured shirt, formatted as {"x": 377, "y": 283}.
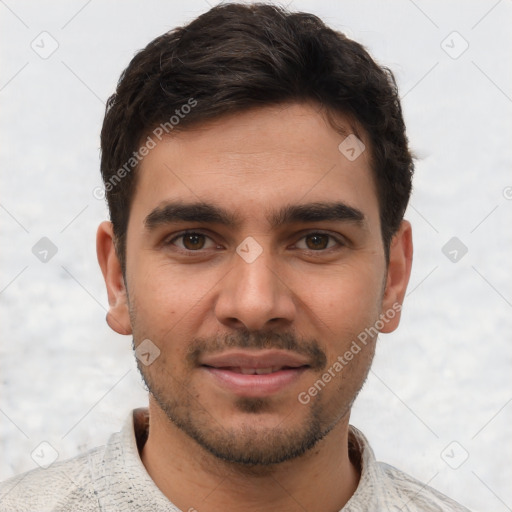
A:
{"x": 113, "y": 478}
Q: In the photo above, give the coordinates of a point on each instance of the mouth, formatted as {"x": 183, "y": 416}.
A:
{"x": 255, "y": 371}
{"x": 254, "y": 374}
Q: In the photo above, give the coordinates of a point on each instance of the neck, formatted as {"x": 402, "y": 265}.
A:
{"x": 193, "y": 479}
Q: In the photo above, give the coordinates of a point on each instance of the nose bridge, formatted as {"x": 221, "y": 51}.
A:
{"x": 256, "y": 275}
{"x": 252, "y": 293}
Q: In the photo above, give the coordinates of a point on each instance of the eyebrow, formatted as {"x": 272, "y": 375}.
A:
{"x": 207, "y": 213}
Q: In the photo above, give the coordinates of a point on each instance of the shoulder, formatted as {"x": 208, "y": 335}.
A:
{"x": 415, "y": 495}
{"x": 66, "y": 485}
{"x": 384, "y": 487}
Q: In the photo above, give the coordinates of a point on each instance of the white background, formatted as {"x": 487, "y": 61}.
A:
{"x": 444, "y": 376}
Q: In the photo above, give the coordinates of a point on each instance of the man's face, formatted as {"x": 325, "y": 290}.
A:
{"x": 286, "y": 294}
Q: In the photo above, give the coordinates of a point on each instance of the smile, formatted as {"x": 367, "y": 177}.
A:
{"x": 255, "y": 371}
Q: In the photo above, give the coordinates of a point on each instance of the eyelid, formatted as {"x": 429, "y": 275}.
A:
{"x": 339, "y": 239}
{"x": 175, "y": 236}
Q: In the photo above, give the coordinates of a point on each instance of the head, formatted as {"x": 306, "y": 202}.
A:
{"x": 257, "y": 172}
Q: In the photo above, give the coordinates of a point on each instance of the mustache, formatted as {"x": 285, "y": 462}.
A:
{"x": 257, "y": 340}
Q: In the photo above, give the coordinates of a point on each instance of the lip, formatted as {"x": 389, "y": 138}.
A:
{"x": 220, "y": 368}
{"x": 255, "y": 359}
{"x": 254, "y": 385}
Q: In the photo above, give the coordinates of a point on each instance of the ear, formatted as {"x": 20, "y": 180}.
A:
{"x": 118, "y": 316}
{"x": 399, "y": 271}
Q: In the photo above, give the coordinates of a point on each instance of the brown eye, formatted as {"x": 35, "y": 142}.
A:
{"x": 317, "y": 241}
{"x": 193, "y": 241}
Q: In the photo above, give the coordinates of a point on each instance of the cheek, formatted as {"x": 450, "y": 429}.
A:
{"x": 348, "y": 301}
{"x": 163, "y": 295}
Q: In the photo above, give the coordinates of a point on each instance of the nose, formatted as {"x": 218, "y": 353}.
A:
{"x": 255, "y": 295}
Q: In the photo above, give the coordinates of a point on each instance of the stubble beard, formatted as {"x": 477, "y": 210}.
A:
{"x": 249, "y": 448}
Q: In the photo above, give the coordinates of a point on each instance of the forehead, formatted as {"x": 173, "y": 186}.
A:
{"x": 255, "y": 161}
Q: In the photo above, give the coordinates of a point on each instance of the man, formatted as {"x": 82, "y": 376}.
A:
{"x": 257, "y": 172}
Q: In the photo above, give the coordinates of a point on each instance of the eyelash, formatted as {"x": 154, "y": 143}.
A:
{"x": 190, "y": 252}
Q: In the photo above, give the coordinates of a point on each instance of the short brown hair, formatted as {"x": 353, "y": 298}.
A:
{"x": 235, "y": 57}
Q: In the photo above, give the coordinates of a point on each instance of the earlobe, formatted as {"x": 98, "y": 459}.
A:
{"x": 399, "y": 271}
{"x": 118, "y": 316}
